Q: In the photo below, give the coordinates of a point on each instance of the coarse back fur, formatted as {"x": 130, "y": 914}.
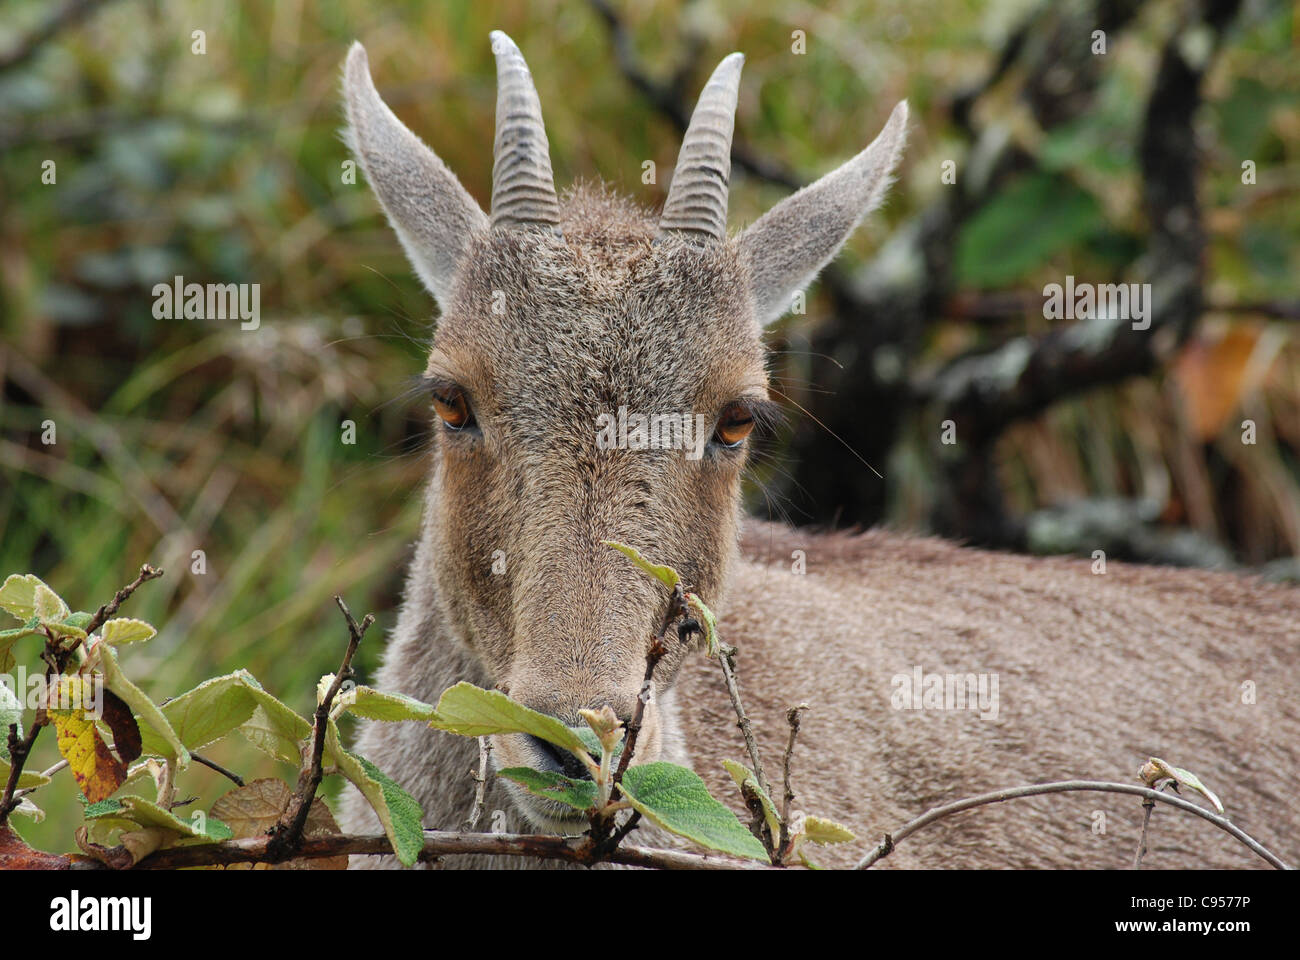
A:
{"x": 558, "y": 312}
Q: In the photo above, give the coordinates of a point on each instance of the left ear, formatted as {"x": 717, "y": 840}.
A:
{"x": 788, "y": 246}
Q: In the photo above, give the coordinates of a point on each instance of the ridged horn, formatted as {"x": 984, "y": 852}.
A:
{"x": 523, "y": 187}
{"x": 697, "y": 197}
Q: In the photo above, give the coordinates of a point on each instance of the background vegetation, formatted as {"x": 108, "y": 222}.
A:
{"x": 180, "y": 435}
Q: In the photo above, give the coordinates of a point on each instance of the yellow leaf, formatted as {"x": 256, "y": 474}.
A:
{"x": 97, "y": 771}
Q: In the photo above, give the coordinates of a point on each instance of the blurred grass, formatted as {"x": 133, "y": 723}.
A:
{"x": 184, "y": 435}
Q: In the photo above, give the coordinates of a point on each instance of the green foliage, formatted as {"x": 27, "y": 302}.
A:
{"x": 474, "y": 712}
{"x": 1023, "y": 227}
{"x": 677, "y": 800}
{"x": 580, "y": 794}
{"x": 664, "y": 574}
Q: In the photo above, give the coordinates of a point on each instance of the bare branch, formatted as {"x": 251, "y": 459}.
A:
{"x": 792, "y": 718}
{"x": 1064, "y": 786}
{"x": 147, "y": 573}
{"x": 726, "y": 657}
{"x": 481, "y": 779}
{"x": 233, "y": 777}
{"x": 287, "y": 835}
{"x": 439, "y": 843}
{"x": 1148, "y": 806}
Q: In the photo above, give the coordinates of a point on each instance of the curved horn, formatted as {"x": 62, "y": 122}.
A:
{"x": 523, "y": 187}
{"x": 697, "y": 198}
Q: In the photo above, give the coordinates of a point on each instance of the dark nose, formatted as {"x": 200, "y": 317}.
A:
{"x": 559, "y": 760}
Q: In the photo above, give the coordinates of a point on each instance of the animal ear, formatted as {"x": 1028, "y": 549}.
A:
{"x": 788, "y": 246}
{"x": 432, "y": 214}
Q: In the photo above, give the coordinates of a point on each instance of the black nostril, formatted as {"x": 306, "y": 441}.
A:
{"x": 559, "y": 760}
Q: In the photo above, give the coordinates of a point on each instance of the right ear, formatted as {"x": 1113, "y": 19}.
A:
{"x": 787, "y": 246}
{"x": 432, "y": 214}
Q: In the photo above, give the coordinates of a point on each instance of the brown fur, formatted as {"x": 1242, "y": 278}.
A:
{"x": 545, "y": 331}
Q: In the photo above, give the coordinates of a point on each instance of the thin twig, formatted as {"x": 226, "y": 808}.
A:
{"x": 1147, "y": 805}
{"x": 655, "y": 653}
{"x": 147, "y": 573}
{"x": 287, "y": 836}
{"x": 792, "y": 718}
{"x": 47, "y": 773}
{"x": 480, "y": 779}
{"x": 1064, "y": 786}
{"x": 726, "y": 657}
{"x": 234, "y": 777}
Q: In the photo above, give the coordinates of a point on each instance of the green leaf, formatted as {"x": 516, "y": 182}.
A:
{"x": 744, "y": 776}
{"x": 823, "y": 831}
{"x": 474, "y": 712}
{"x": 102, "y": 809}
{"x": 157, "y": 735}
{"x": 272, "y": 738}
{"x": 579, "y": 794}
{"x": 18, "y": 595}
{"x": 146, "y": 813}
{"x": 9, "y": 637}
{"x": 30, "y": 810}
{"x": 397, "y": 810}
{"x": 707, "y": 620}
{"x": 373, "y": 705}
{"x": 1022, "y": 226}
{"x": 216, "y": 707}
{"x": 677, "y": 800}
{"x": 25, "y": 779}
{"x": 81, "y": 619}
{"x": 1156, "y": 770}
{"x": 11, "y": 714}
{"x": 664, "y": 574}
{"x": 48, "y": 605}
{"x": 124, "y": 630}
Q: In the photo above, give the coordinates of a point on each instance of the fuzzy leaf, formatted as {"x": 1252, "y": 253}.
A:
{"x": 1156, "y": 770}
{"x": 373, "y": 705}
{"x": 397, "y": 810}
{"x": 18, "y": 595}
{"x": 26, "y": 779}
{"x": 579, "y": 794}
{"x": 820, "y": 830}
{"x": 746, "y": 780}
{"x": 11, "y": 714}
{"x": 158, "y": 736}
{"x": 707, "y": 620}
{"x": 474, "y": 712}
{"x": 216, "y": 707}
{"x": 124, "y": 630}
{"x": 677, "y": 800}
{"x": 664, "y": 574}
{"x": 49, "y": 606}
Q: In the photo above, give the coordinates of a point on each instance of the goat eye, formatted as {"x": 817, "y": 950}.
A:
{"x": 734, "y": 425}
{"x": 452, "y": 406}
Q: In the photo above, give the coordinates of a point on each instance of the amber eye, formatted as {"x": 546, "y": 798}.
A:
{"x": 453, "y": 407}
{"x": 735, "y": 424}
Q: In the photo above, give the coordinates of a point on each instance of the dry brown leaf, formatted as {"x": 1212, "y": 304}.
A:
{"x": 15, "y": 854}
{"x": 253, "y": 809}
